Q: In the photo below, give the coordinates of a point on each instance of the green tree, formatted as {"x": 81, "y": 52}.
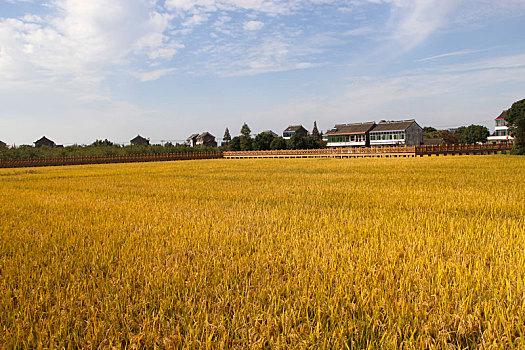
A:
{"x": 235, "y": 144}
{"x": 102, "y": 143}
{"x": 278, "y": 143}
{"x": 245, "y": 130}
{"x": 298, "y": 142}
{"x": 263, "y": 141}
{"x": 311, "y": 142}
{"x": 473, "y": 134}
{"x": 450, "y": 138}
{"x": 516, "y": 119}
{"x": 431, "y": 133}
{"x": 315, "y": 132}
{"x": 246, "y": 143}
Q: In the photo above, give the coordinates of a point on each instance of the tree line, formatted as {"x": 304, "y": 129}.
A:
{"x": 515, "y": 118}
{"x": 462, "y": 135}
{"x": 265, "y": 141}
{"x": 99, "y": 148}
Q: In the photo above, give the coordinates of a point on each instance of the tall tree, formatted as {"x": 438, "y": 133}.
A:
{"x": 315, "y": 132}
{"x": 227, "y": 137}
{"x": 245, "y": 130}
{"x": 516, "y": 119}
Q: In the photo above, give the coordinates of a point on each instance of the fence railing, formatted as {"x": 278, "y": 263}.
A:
{"x": 375, "y": 151}
{"x": 460, "y": 149}
{"x": 37, "y": 162}
{"x": 302, "y": 153}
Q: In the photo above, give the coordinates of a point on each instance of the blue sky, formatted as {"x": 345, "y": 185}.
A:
{"x": 77, "y": 70}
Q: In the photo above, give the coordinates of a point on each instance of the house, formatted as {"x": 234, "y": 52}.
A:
{"x": 3, "y": 145}
{"x": 44, "y": 142}
{"x": 501, "y": 133}
{"x": 294, "y": 130}
{"x": 350, "y": 135}
{"x": 192, "y": 140}
{"x": 139, "y": 141}
{"x": 397, "y": 133}
{"x": 206, "y": 139}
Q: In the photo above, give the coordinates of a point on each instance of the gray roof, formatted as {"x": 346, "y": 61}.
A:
{"x": 139, "y": 138}
{"x": 393, "y": 125}
{"x": 503, "y": 115}
{"x": 354, "y": 128}
{"x": 294, "y": 128}
{"x": 192, "y": 136}
{"x": 43, "y": 139}
{"x": 204, "y": 134}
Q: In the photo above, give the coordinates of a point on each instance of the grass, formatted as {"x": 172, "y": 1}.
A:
{"x": 308, "y": 253}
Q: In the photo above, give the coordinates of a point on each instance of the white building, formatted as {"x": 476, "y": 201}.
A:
{"x": 501, "y": 133}
{"x": 350, "y": 135}
{"x": 397, "y": 133}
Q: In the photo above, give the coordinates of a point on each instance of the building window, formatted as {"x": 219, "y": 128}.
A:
{"x": 501, "y": 122}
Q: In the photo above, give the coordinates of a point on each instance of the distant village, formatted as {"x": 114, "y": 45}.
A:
{"x": 365, "y": 134}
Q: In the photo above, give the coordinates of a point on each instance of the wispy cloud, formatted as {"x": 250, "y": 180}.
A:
{"x": 455, "y": 53}
{"x": 413, "y": 21}
{"x": 153, "y": 75}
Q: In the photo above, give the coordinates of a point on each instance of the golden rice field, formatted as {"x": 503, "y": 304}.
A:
{"x": 306, "y": 253}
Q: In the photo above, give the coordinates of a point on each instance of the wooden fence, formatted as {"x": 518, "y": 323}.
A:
{"x": 35, "y": 162}
{"x": 394, "y": 151}
{"x": 463, "y": 149}
{"x": 345, "y": 152}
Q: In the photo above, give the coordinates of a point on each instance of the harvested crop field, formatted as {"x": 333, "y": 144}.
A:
{"x": 294, "y": 253}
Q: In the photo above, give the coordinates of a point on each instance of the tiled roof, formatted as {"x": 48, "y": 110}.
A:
{"x": 294, "y": 128}
{"x": 502, "y": 116}
{"x": 393, "y": 125}
{"x": 355, "y": 128}
{"x": 138, "y": 138}
{"x": 44, "y": 139}
{"x": 204, "y": 134}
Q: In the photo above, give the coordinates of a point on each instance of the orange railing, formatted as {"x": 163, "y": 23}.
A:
{"x": 374, "y": 151}
{"x": 325, "y": 152}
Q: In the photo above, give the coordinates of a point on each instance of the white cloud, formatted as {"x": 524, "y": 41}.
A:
{"x": 359, "y": 31}
{"x": 153, "y": 75}
{"x": 83, "y": 40}
{"x": 494, "y": 63}
{"x": 253, "y": 25}
{"x": 413, "y": 21}
{"x": 273, "y": 7}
